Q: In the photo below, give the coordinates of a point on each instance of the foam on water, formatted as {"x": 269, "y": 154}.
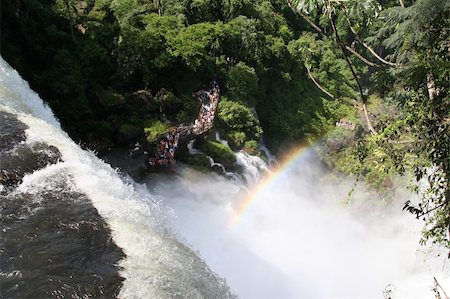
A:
{"x": 156, "y": 265}
{"x": 300, "y": 240}
{"x": 253, "y": 167}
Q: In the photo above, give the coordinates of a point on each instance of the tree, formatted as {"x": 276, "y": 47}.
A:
{"x": 418, "y": 139}
{"x": 196, "y": 44}
{"x": 242, "y": 83}
{"x": 239, "y": 121}
{"x": 418, "y": 36}
{"x": 330, "y": 10}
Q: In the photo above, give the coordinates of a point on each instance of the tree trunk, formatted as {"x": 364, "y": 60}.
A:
{"x": 433, "y": 93}
{"x": 401, "y": 3}
{"x": 361, "y": 93}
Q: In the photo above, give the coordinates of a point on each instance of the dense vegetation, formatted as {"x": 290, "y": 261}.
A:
{"x": 289, "y": 70}
{"x": 124, "y": 65}
{"x": 407, "y": 91}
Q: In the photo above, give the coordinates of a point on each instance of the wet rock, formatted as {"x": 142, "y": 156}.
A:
{"x": 55, "y": 244}
{"x": 25, "y": 159}
{"x": 12, "y": 131}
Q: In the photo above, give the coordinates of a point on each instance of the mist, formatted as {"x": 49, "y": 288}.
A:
{"x": 302, "y": 237}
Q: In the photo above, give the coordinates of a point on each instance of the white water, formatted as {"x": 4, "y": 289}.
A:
{"x": 156, "y": 265}
{"x": 270, "y": 158}
{"x": 296, "y": 241}
{"x": 299, "y": 240}
{"x": 254, "y": 167}
{"x": 212, "y": 163}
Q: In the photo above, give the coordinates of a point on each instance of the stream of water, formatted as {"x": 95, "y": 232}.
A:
{"x": 72, "y": 227}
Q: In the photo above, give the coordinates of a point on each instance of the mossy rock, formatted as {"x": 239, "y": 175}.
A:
{"x": 221, "y": 153}
{"x": 142, "y": 100}
{"x": 251, "y": 147}
{"x": 155, "y": 130}
{"x": 199, "y": 162}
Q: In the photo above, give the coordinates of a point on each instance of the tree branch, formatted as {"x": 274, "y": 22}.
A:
{"x": 350, "y": 25}
{"x": 317, "y": 83}
{"x": 431, "y": 210}
{"x": 361, "y": 93}
{"x": 320, "y": 30}
{"x": 366, "y": 115}
{"x": 438, "y": 285}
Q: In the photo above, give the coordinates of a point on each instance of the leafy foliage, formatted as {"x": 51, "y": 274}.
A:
{"x": 126, "y": 65}
{"x": 414, "y": 137}
{"x": 155, "y": 130}
{"x": 239, "y": 121}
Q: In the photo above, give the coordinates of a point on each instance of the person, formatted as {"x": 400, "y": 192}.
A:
{"x": 152, "y": 161}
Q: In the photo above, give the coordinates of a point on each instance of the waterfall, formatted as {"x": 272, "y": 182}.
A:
{"x": 297, "y": 239}
{"x": 74, "y": 227}
{"x": 212, "y": 163}
{"x": 270, "y": 158}
{"x": 123, "y": 221}
{"x": 253, "y": 167}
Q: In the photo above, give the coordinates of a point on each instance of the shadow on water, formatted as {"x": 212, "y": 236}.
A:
{"x": 53, "y": 241}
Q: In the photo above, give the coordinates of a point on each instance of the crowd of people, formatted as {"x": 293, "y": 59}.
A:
{"x": 165, "y": 153}
{"x": 208, "y": 100}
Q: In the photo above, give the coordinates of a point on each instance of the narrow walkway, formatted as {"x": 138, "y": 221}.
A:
{"x": 168, "y": 144}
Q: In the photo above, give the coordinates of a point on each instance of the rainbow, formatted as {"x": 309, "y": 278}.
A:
{"x": 269, "y": 182}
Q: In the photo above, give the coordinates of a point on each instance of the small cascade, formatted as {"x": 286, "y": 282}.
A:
{"x": 223, "y": 141}
{"x": 229, "y": 174}
{"x": 253, "y": 167}
{"x": 270, "y": 158}
{"x": 193, "y": 151}
{"x": 74, "y": 227}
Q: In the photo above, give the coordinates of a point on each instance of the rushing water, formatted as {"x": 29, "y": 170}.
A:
{"x": 74, "y": 227}
{"x": 71, "y": 227}
{"x": 298, "y": 239}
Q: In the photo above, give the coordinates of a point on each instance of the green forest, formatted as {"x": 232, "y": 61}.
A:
{"x": 366, "y": 79}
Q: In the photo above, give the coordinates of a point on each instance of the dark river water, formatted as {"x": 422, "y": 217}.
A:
{"x": 53, "y": 241}
{"x": 74, "y": 227}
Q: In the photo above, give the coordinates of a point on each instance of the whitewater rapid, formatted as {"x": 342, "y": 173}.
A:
{"x": 155, "y": 265}
{"x": 301, "y": 237}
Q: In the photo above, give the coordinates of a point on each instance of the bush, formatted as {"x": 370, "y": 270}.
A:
{"x": 110, "y": 99}
{"x": 199, "y": 162}
{"x": 239, "y": 121}
{"x": 251, "y": 147}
